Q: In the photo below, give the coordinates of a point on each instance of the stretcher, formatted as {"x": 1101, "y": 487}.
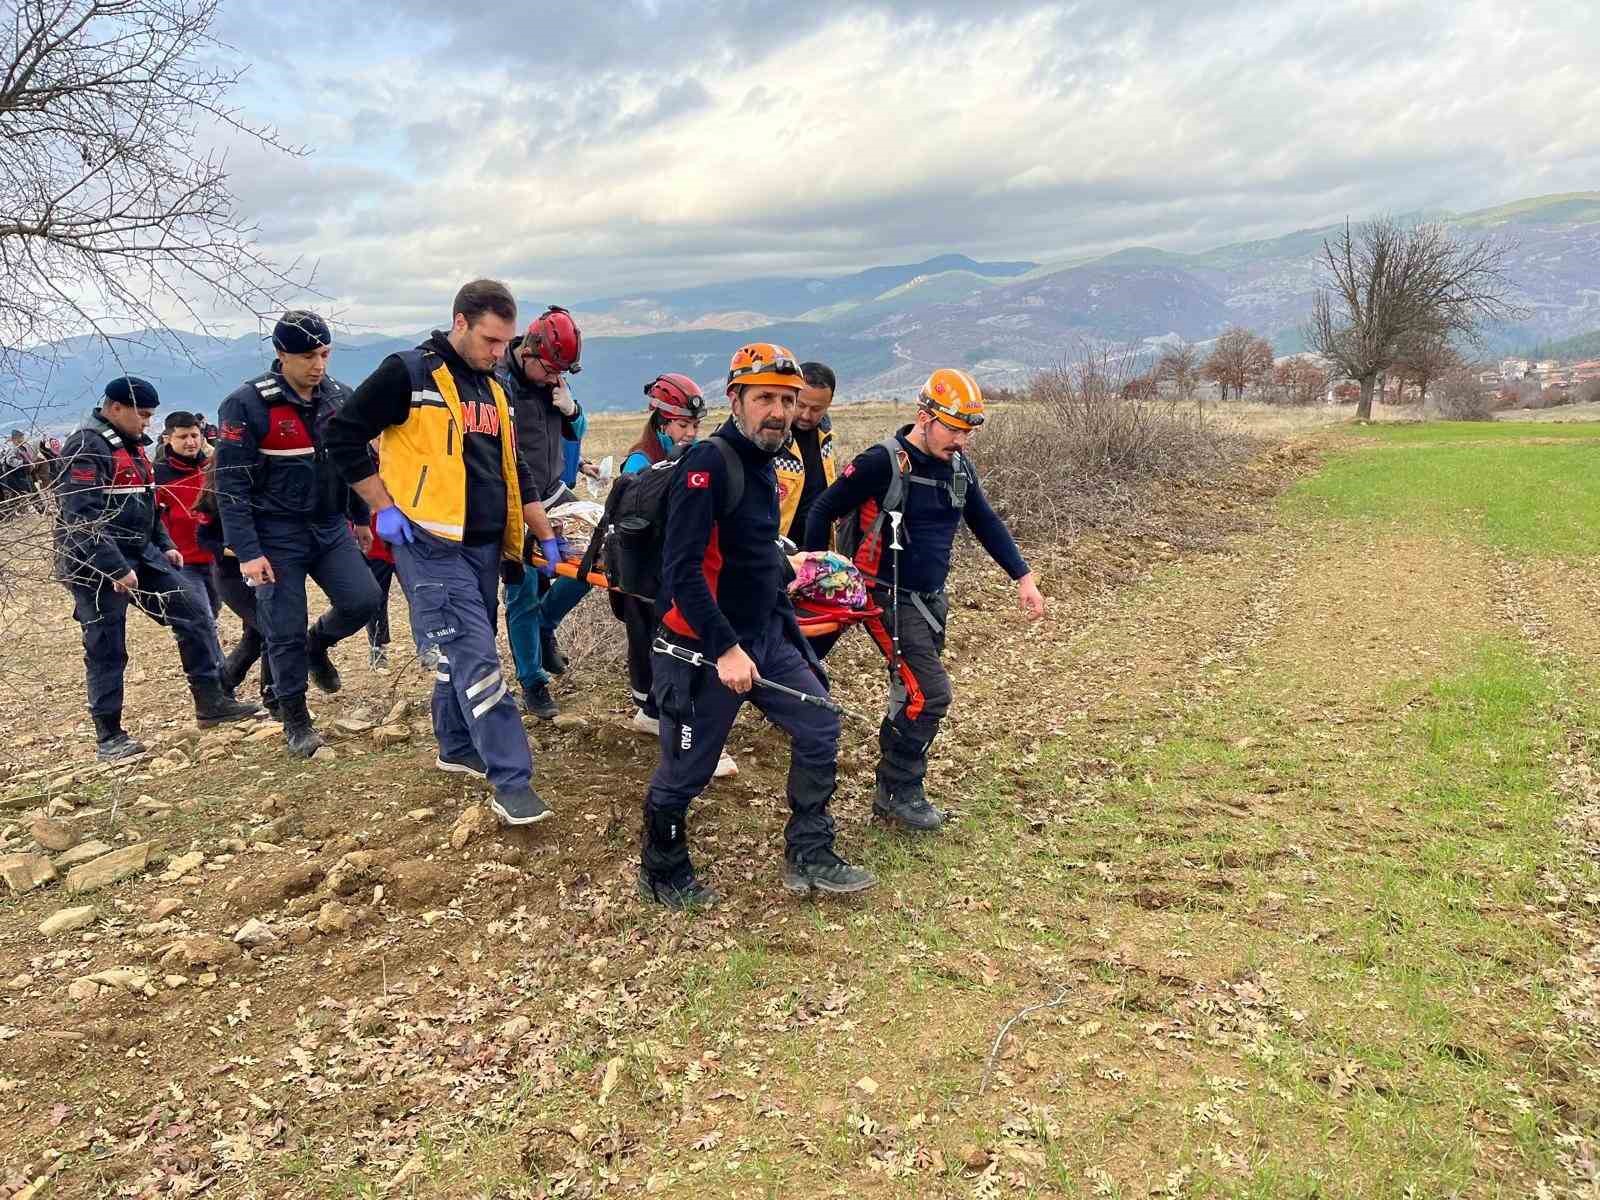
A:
{"x": 817, "y": 618}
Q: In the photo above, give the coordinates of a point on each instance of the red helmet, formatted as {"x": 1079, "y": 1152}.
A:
{"x": 554, "y": 338}
{"x": 676, "y": 396}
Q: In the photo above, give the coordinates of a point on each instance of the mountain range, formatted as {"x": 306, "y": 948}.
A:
{"x": 883, "y": 329}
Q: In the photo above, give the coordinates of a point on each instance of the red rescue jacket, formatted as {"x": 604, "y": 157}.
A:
{"x": 179, "y": 482}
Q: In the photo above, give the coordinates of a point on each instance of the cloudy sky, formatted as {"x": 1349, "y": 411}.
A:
{"x": 588, "y": 150}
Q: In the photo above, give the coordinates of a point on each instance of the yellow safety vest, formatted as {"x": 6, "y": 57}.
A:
{"x": 423, "y": 463}
{"x": 791, "y": 469}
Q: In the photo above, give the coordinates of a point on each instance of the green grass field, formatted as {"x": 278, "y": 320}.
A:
{"x": 1521, "y": 490}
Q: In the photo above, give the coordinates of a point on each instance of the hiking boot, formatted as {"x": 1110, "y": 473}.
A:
{"x": 213, "y": 706}
{"x": 463, "y": 764}
{"x": 269, "y": 701}
{"x": 645, "y": 724}
{"x": 681, "y": 894}
{"x": 825, "y": 871}
{"x": 319, "y": 667}
{"x": 111, "y": 743}
{"x": 910, "y": 810}
{"x": 235, "y": 667}
{"x": 519, "y": 806}
{"x": 298, "y": 731}
{"x": 550, "y": 656}
{"x": 537, "y": 700}
{"x": 377, "y": 657}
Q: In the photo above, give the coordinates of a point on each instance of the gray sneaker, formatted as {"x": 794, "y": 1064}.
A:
{"x": 825, "y": 871}
{"x": 519, "y": 806}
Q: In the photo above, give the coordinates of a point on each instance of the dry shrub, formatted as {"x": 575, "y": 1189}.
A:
{"x": 1079, "y": 451}
{"x": 591, "y": 636}
{"x": 1462, "y": 396}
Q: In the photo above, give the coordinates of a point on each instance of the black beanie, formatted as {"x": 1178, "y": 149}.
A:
{"x": 300, "y": 331}
{"x": 130, "y": 389}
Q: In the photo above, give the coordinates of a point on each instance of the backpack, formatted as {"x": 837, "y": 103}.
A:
{"x": 861, "y": 544}
{"x": 632, "y": 533}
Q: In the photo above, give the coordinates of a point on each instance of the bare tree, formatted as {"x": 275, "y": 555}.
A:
{"x": 1387, "y": 285}
{"x": 1423, "y": 358}
{"x": 1300, "y": 381}
{"x": 1179, "y": 365}
{"x": 114, "y": 219}
{"x": 1238, "y": 359}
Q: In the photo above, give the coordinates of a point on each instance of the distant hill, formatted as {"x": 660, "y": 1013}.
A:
{"x": 885, "y": 328}
{"x": 1584, "y": 345}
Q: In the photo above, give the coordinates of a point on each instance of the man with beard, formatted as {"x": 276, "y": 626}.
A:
{"x": 723, "y": 603}
{"x": 923, "y": 477}
{"x": 288, "y": 515}
{"x": 532, "y": 373}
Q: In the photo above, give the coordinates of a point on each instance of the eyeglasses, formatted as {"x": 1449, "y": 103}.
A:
{"x": 781, "y": 365}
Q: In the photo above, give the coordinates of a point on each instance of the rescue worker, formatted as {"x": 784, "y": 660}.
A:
{"x": 180, "y": 480}
{"x": 937, "y": 489}
{"x": 112, "y": 551}
{"x": 806, "y": 465}
{"x": 287, "y": 515}
{"x": 532, "y": 372}
{"x": 676, "y": 408}
{"x": 723, "y": 597}
{"x": 451, "y": 497}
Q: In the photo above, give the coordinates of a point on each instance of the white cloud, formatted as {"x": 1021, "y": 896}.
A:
{"x": 664, "y": 145}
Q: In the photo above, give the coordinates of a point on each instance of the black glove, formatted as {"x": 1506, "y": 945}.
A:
{"x": 511, "y": 572}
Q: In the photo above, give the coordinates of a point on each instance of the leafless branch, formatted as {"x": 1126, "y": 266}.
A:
{"x": 114, "y": 220}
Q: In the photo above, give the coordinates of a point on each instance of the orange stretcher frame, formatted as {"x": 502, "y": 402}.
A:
{"x": 815, "y": 620}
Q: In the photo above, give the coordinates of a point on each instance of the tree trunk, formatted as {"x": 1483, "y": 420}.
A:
{"x": 1364, "y": 405}
{"x": 1422, "y": 393}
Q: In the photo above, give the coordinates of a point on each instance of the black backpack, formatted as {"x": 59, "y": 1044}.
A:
{"x": 632, "y": 533}
{"x": 850, "y": 537}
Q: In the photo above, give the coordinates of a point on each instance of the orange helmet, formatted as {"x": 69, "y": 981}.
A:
{"x": 953, "y": 398}
{"x": 765, "y": 362}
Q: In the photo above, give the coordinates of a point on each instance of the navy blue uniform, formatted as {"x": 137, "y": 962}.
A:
{"x": 108, "y": 527}
{"x": 933, "y": 508}
{"x": 723, "y": 579}
{"x": 280, "y": 497}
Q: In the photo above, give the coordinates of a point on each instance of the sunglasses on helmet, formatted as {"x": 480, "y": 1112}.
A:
{"x": 781, "y": 365}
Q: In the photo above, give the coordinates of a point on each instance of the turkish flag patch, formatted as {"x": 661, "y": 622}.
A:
{"x": 698, "y": 479}
{"x": 82, "y": 474}
{"x": 849, "y": 470}
{"x": 232, "y": 432}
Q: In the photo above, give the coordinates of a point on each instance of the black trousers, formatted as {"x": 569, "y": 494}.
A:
{"x": 325, "y": 551}
{"x": 161, "y": 595}
{"x": 378, "y": 628}
{"x": 240, "y": 598}
{"x": 697, "y": 713}
{"x": 639, "y": 619}
{"x": 919, "y": 691}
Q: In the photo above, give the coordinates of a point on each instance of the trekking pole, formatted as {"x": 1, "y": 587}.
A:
{"x": 895, "y": 547}
{"x": 695, "y": 659}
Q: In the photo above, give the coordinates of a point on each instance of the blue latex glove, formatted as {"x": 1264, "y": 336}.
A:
{"x": 551, "y": 548}
{"x": 393, "y": 527}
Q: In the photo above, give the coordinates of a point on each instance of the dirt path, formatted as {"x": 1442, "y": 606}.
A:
{"x": 1275, "y": 828}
